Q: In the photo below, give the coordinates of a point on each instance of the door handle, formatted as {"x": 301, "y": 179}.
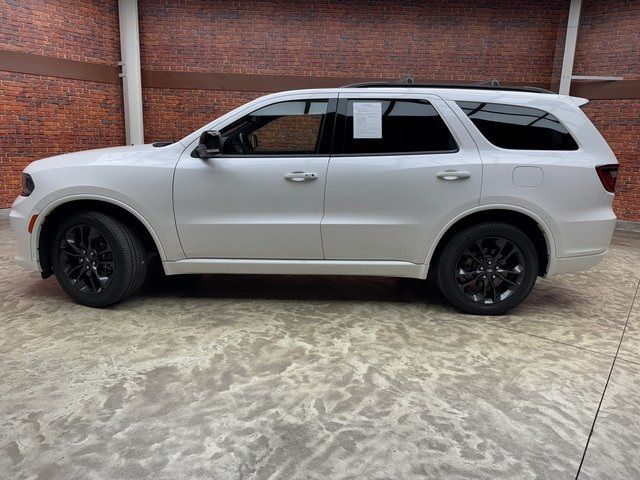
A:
{"x": 450, "y": 175}
{"x": 300, "y": 176}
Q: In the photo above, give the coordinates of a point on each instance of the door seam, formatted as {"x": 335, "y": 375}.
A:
{"x": 326, "y": 174}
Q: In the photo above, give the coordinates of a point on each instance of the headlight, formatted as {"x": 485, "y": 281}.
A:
{"x": 27, "y": 185}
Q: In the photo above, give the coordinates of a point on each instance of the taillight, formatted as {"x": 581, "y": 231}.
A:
{"x": 608, "y": 175}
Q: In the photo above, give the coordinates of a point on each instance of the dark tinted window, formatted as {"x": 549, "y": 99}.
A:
{"x": 407, "y": 126}
{"x": 285, "y": 128}
{"x": 519, "y": 128}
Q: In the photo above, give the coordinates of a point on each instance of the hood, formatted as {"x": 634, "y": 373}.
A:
{"x": 100, "y": 156}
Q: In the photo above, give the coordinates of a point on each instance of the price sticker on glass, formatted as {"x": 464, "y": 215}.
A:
{"x": 367, "y": 119}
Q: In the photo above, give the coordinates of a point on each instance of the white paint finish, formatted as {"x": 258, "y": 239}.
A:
{"x": 392, "y": 207}
{"x": 571, "y": 39}
{"x": 131, "y": 75}
{"x": 137, "y": 178}
{"x": 571, "y": 198}
{"x": 382, "y": 214}
{"x": 19, "y": 217}
{"x": 497, "y": 208}
{"x": 579, "y": 101}
{"x": 527, "y": 176}
{"x": 296, "y": 267}
{"x": 243, "y": 207}
{"x": 561, "y": 266}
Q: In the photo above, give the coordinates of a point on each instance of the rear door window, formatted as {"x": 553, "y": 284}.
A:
{"x": 518, "y": 128}
{"x": 395, "y": 126}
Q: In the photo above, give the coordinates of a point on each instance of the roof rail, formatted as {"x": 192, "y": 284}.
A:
{"x": 408, "y": 82}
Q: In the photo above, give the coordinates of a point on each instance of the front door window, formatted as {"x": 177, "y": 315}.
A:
{"x": 280, "y": 129}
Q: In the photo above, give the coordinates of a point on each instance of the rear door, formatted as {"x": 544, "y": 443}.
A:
{"x": 402, "y": 167}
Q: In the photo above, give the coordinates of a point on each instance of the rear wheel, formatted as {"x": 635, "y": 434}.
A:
{"x": 487, "y": 269}
{"x": 97, "y": 259}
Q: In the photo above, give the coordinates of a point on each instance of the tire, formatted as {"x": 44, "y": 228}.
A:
{"x": 487, "y": 269}
{"x": 97, "y": 259}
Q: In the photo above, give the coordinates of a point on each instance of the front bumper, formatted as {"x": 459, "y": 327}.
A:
{"x": 21, "y": 212}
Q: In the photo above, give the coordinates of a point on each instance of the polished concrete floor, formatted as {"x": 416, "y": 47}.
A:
{"x": 321, "y": 378}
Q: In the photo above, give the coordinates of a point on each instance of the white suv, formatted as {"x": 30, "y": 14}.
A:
{"x": 487, "y": 187}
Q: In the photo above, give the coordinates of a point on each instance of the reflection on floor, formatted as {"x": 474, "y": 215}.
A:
{"x": 328, "y": 378}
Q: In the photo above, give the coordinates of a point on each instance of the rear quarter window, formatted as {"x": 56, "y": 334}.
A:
{"x": 518, "y": 128}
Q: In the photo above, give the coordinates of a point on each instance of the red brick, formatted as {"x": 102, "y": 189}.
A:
{"x": 517, "y": 40}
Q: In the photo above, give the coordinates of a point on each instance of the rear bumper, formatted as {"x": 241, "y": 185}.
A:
{"x": 582, "y": 235}
{"x": 574, "y": 264}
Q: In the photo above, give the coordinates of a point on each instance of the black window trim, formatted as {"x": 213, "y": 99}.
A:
{"x": 482, "y": 135}
{"x": 325, "y": 134}
{"x": 339, "y": 136}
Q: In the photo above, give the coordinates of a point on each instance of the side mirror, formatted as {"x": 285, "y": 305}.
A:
{"x": 210, "y": 144}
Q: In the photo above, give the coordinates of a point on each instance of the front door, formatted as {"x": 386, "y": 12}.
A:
{"x": 262, "y": 197}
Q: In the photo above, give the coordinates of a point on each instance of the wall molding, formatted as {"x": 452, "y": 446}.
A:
{"x": 269, "y": 83}
{"x": 29, "y": 63}
{"x": 606, "y": 90}
{"x": 33, "y": 64}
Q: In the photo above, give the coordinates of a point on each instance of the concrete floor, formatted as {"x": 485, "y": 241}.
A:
{"x": 323, "y": 378}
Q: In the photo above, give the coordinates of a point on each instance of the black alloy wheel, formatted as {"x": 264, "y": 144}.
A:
{"x": 97, "y": 259}
{"x": 490, "y": 270}
{"x": 487, "y": 269}
{"x": 87, "y": 259}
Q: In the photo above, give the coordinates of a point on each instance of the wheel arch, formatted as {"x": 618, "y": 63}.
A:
{"x": 49, "y": 216}
{"x": 531, "y": 224}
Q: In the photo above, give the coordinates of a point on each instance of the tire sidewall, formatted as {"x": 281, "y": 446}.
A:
{"x": 119, "y": 280}
{"x": 445, "y": 275}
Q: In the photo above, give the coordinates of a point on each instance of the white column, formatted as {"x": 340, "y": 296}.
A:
{"x": 131, "y": 78}
{"x": 570, "y": 46}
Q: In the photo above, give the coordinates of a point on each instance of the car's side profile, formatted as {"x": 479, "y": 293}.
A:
{"x": 488, "y": 188}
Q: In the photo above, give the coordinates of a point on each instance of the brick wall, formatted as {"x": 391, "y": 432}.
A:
{"x": 43, "y": 116}
{"x": 609, "y": 45}
{"x": 619, "y": 123}
{"x": 456, "y": 40}
{"x": 170, "y": 114}
{"x": 463, "y": 40}
{"x": 71, "y": 29}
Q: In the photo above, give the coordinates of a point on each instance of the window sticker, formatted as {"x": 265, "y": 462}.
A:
{"x": 367, "y": 119}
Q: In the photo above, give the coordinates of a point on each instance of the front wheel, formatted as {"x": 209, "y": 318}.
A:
{"x": 97, "y": 259}
{"x": 487, "y": 269}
